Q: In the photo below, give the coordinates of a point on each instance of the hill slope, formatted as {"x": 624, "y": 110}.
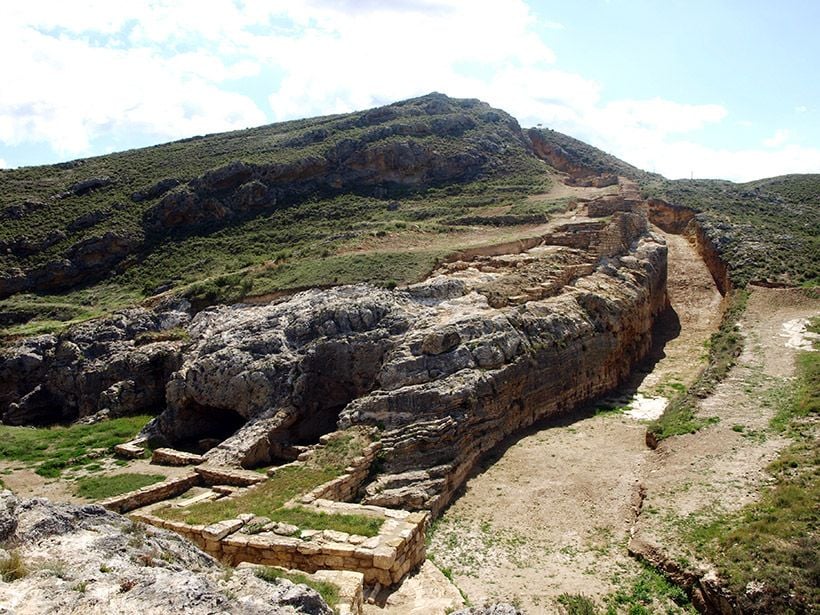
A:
{"x": 144, "y": 221}
{"x": 378, "y": 196}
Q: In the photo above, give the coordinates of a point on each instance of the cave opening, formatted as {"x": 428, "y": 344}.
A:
{"x": 321, "y": 421}
{"x": 204, "y": 427}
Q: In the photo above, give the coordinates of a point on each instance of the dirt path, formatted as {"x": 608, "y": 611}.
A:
{"x": 695, "y": 477}
{"x": 696, "y": 303}
{"x": 553, "y": 513}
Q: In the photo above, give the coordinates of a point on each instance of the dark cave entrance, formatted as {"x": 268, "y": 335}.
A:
{"x": 315, "y": 424}
{"x": 203, "y": 427}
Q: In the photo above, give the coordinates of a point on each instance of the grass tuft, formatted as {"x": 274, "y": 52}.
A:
{"x": 577, "y": 604}
{"x": 12, "y": 567}
{"x": 101, "y": 487}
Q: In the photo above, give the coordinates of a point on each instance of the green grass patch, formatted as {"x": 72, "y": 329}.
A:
{"x": 263, "y": 500}
{"x": 724, "y": 347}
{"x": 268, "y": 498}
{"x": 101, "y": 487}
{"x": 50, "y": 450}
{"x": 328, "y": 591}
{"x": 577, "y": 604}
{"x": 307, "y": 518}
{"x": 648, "y": 587}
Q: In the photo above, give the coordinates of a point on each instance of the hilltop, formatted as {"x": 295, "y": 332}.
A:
{"x": 380, "y": 196}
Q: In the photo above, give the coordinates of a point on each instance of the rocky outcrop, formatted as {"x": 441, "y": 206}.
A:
{"x": 365, "y": 165}
{"x": 111, "y": 366}
{"x": 83, "y": 261}
{"x": 85, "y": 559}
{"x": 446, "y": 368}
{"x": 155, "y": 190}
{"x": 85, "y": 186}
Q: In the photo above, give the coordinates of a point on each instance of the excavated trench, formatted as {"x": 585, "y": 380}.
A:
{"x": 549, "y": 511}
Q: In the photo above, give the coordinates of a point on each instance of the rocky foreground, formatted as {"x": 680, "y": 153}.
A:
{"x": 86, "y": 560}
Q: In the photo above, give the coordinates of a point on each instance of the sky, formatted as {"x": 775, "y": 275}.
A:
{"x": 699, "y": 88}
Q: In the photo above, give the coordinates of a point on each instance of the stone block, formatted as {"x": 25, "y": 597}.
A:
{"x": 307, "y": 548}
{"x": 171, "y": 457}
{"x": 343, "y": 549}
{"x": 383, "y": 558}
{"x": 372, "y": 542}
{"x": 334, "y": 536}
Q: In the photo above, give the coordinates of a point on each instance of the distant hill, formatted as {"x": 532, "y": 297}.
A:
{"x": 768, "y": 230}
{"x": 378, "y": 195}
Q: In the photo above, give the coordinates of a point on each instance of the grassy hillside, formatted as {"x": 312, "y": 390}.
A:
{"x": 767, "y": 230}
{"x": 309, "y": 202}
{"x": 379, "y": 196}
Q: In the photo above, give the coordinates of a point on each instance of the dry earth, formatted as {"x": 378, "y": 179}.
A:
{"x": 694, "y": 477}
{"x": 25, "y": 483}
{"x": 554, "y": 513}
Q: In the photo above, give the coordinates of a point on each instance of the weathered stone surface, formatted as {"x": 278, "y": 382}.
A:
{"x": 501, "y": 608}
{"x": 126, "y": 568}
{"x": 85, "y": 186}
{"x": 99, "y": 365}
{"x": 171, "y": 457}
{"x": 446, "y": 368}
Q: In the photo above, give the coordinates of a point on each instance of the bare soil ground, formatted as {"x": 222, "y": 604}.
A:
{"x": 26, "y": 483}
{"x": 695, "y": 477}
{"x": 554, "y": 513}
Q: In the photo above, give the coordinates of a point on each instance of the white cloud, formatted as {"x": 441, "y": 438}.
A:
{"x": 801, "y": 109}
{"x": 342, "y": 61}
{"x": 3, "y": 164}
{"x": 780, "y": 137}
{"x": 683, "y": 158}
{"x": 70, "y": 90}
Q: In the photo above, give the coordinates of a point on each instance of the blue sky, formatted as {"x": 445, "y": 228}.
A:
{"x": 712, "y": 89}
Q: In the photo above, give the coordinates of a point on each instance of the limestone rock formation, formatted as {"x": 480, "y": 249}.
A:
{"x": 445, "y": 369}
{"x": 87, "y": 560}
{"x": 111, "y": 366}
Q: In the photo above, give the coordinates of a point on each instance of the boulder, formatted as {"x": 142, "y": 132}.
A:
{"x": 85, "y": 559}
